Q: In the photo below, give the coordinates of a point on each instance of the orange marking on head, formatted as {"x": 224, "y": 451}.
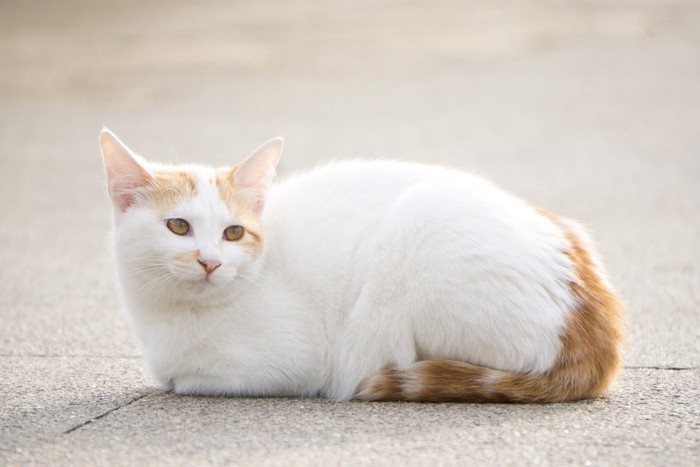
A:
{"x": 167, "y": 188}
{"x": 235, "y": 201}
{"x": 187, "y": 256}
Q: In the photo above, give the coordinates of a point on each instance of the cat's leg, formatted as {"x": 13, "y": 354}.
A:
{"x": 379, "y": 329}
{"x": 376, "y": 334}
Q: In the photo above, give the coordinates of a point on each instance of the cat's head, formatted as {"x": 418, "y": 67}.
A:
{"x": 187, "y": 232}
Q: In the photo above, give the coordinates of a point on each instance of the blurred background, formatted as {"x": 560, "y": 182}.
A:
{"x": 473, "y": 81}
{"x": 589, "y": 108}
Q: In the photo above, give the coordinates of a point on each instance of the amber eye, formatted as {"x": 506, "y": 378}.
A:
{"x": 233, "y": 233}
{"x": 178, "y": 226}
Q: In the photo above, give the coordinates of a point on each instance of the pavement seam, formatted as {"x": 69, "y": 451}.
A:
{"x": 112, "y": 410}
{"x": 668, "y": 368}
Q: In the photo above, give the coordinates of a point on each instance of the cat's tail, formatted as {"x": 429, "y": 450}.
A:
{"x": 455, "y": 381}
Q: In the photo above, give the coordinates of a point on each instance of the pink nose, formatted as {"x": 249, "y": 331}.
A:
{"x": 209, "y": 265}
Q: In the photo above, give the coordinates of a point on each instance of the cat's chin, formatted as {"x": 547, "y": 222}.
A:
{"x": 203, "y": 289}
{"x": 199, "y": 285}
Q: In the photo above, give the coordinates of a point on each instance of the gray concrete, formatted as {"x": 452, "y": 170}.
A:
{"x": 587, "y": 108}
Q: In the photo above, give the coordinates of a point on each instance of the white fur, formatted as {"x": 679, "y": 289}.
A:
{"x": 366, "y": 265}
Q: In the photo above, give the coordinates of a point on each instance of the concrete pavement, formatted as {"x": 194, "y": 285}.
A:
{"x": 590, "y": 109}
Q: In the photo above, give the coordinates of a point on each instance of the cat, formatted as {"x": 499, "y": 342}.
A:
{"x": 369, "y": 280}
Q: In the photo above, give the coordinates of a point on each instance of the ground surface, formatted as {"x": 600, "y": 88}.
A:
{"x": 588, "y": 108}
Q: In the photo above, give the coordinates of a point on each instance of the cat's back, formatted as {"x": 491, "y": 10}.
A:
{"x": 347, "y": 185}
{"x": 345, "y": 201}
{"x": 325, "y": 222}
{"x": 321, "y": 223}
{"x": 352, "y": 198}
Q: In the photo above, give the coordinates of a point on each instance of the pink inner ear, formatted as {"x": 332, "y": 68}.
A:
{"x": 256, "y": 200}
{"x": 252, "y": 179}
{"x": 254, "y": 175}
{"x": 123, "y": 202}
{"x": 123, "y": 189}
{"x": 125, "y": 185}
{"x": 254, "y": 194}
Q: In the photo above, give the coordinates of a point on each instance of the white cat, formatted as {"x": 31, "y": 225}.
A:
{"x": 371, "y": 280}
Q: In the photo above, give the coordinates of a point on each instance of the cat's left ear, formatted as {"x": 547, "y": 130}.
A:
{"x": 253, "y": 176}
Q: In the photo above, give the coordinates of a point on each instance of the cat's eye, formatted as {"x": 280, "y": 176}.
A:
{"x": 234, "y": 233}
{"x": 178, "y": 226}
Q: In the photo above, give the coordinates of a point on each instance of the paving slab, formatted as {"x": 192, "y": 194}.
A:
{"x": 660, "y": 426}
{"x": 46, "y": 396}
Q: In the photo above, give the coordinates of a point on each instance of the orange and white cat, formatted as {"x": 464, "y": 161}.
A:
{"x": 373, "y": 280}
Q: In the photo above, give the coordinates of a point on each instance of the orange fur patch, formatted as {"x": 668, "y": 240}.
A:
{"x": 595, "y": 332}
{"x": 166, "y": 189}
{"x": 237, "y": 205}
{"x": 587, "y": 364}
{"x": 187, "y": 256}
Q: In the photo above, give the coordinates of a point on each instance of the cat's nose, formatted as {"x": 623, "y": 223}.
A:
{"x": 209, "y": 265}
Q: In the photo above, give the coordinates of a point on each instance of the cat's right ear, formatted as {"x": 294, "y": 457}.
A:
{"x": 254, "y": 175}
{"x": 125, "y": 176}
